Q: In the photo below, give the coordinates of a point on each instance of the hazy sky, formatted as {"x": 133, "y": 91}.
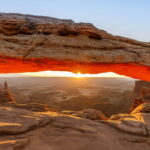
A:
{"x": 130, "y": 18}
{"x": 62, "y": 74}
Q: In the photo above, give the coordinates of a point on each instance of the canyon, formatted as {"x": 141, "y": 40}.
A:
{"x": 110, "y": 95}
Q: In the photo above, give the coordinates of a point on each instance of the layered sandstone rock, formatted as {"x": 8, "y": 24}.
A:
{"x": 143, "y": 108}
{"x": 136, "y": 123}
{"x": 35, "y": 43}
{"x": 141, "y": 94}
{"x": 22, "y": 129}
{"x": 5, "y": 94}
{"x": 89, "y": 113}
{"x": 142, "y": 90}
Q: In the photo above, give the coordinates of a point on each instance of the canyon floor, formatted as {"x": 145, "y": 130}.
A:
{"x": 110, "y": 95}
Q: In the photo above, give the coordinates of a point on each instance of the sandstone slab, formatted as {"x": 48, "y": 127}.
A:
{"x": 23, "y": 130}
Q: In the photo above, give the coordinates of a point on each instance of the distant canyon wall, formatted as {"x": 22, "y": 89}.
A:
{"x": 142, "y": 90}
{"x": 141, "y": 94}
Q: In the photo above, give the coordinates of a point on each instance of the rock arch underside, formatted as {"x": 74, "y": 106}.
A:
{"x": 35, "y": 43}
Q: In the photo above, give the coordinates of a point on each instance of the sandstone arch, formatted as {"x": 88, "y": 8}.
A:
{"x": 34, "y": 43}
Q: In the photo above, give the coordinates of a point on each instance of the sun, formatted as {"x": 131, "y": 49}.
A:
{"x": 78, "y": 75}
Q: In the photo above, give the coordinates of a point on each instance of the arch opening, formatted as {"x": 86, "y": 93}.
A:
{"x": 61, "y": 91}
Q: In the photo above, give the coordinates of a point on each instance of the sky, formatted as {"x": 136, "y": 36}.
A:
{"x": 63, "y": 74}
{"x": 129, "y": 18}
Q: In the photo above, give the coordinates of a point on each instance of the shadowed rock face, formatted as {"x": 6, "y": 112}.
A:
{"x": 36, "y": 43}
{"x": 5, "y": 94}
{"x": 142, "y": 90}
{"x": 141, "y": 94}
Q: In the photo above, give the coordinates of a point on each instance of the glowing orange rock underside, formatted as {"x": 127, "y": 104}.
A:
{"x": 12, "y": 65}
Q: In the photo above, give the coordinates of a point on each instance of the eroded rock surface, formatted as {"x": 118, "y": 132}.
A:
{"x": 36, "y": 43}
{"x": 15, "y": 121}
{"x": 143, "y": 108}
{"x": 89, "y": 113}
{"x": 142, "y": 90}
{"x": 26, "y": 36}
{"x": 141, "y": 94}
{"x": 5, "y": 94}
{"x": 23, "y": 130}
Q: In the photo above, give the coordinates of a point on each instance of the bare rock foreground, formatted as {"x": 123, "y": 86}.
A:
{"x": 22, "y": 129}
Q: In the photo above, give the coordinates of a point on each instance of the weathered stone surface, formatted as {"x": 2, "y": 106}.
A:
{"x": 31, "y": 106}
{"x": 24, "y": 130}
{"x": 143, "y": 108}
{"x": 89, "y": 113}
{"x": 15, "y": 121}
{"x": 141, "y": 94}
{"x": 130, "y": 125}
{"x": 142, "y": 90}
{"x": 120, "y": 116}
{"x": 36, "y": 43}
{"x": 5, "y": 94}
{"x": 14, "y": 144}
{"x": 145, "y": 118}
{"x": 136, "y": 123}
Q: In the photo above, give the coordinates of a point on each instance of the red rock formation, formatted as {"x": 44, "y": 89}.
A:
{"x": 7, "y": 99}
{"x": 142, "y": 94}
{"x": 142, "y": 90}
{"x": 34, "y": 43}
{"x": 5, "y": 94}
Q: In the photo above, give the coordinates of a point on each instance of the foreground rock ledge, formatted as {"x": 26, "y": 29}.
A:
{"x": 22, "y": 129}
{"x": 35, "y": 43}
